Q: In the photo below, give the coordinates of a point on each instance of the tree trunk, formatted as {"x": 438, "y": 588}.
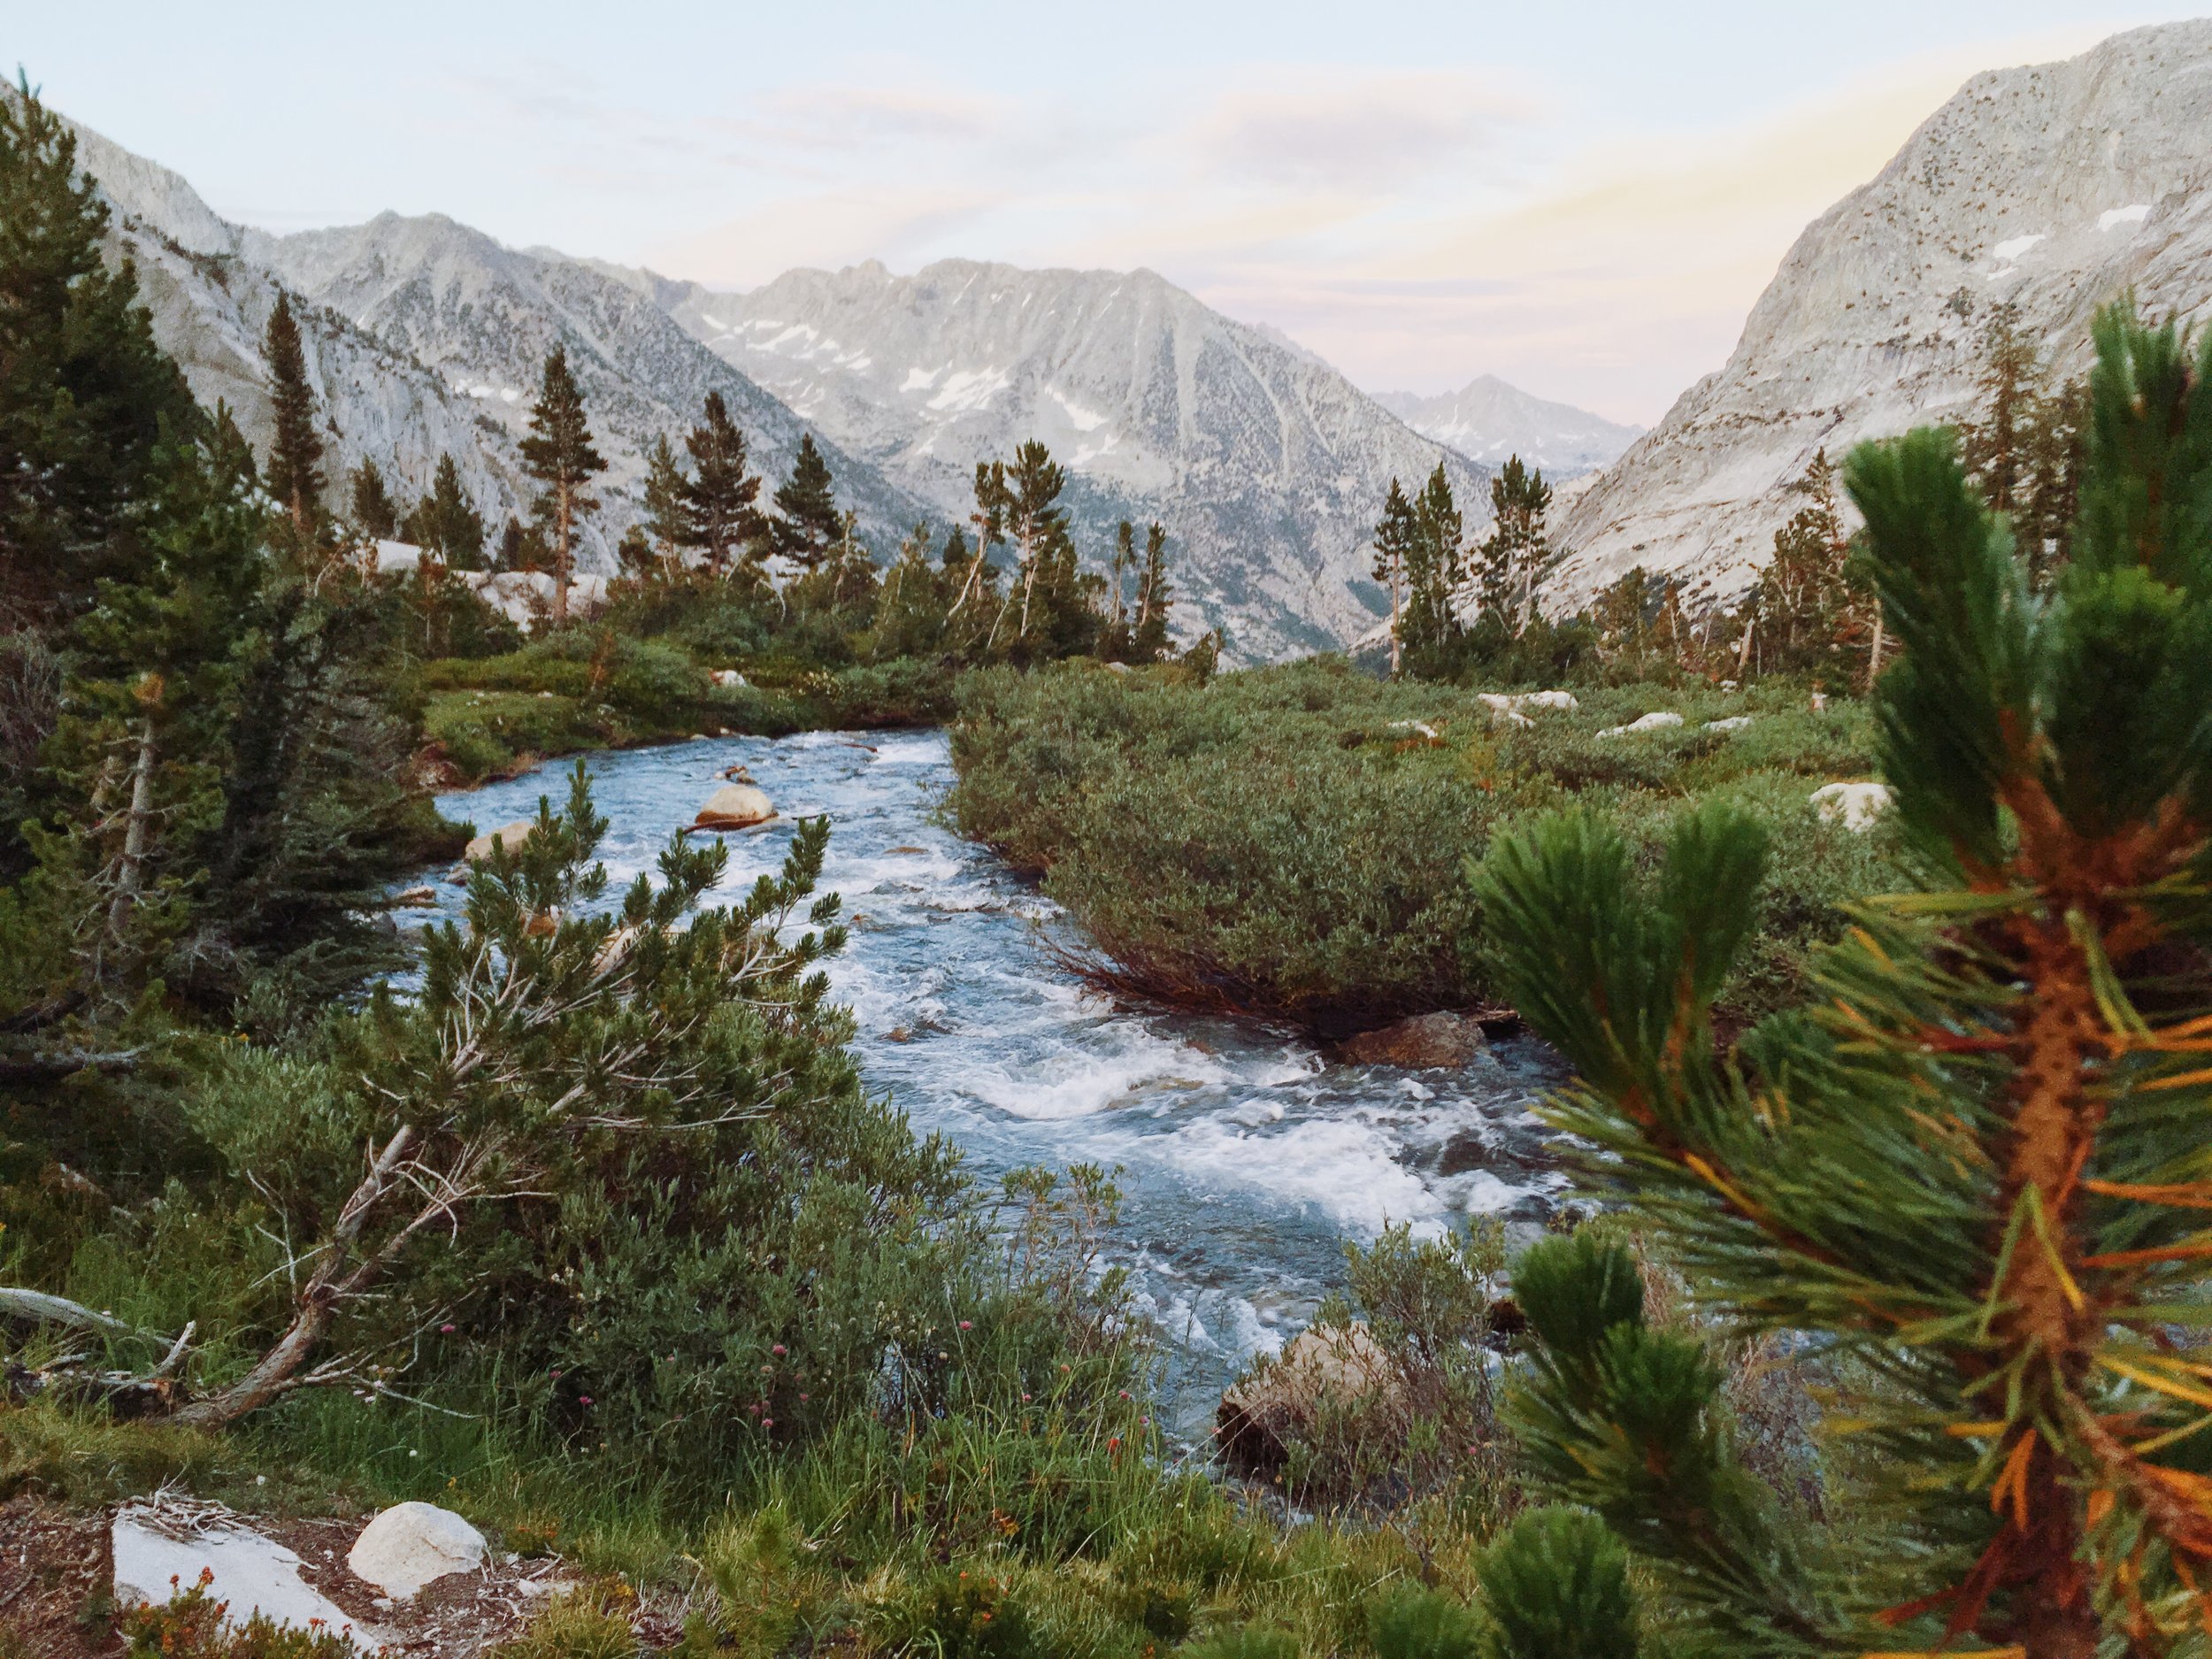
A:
{"x": 1874, "y": 655}
{"x": 1394, "y": 653}
{"x": 130, "y": 875}
{"x": 560, "y": 555}
{"x": 332, "y": 1284}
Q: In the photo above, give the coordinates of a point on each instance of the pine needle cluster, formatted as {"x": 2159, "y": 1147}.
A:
{"x": 1970, "y": 1180}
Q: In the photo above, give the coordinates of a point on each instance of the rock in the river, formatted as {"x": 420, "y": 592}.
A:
{"x": 508, "y": 835}
{"x": 415, "y": 898}
{"x": 1426, "y": 1040}
{"x": 163, "y": 1547}
{"x": 1259, "y": 1415}
{"x": 734, "y": 806}
{"x": 411, "y": 1544}
{"x": 1654, "y": 722}
{"x": 1856, "y": 806}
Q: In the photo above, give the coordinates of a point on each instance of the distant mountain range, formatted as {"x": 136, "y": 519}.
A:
{"x": 2054, "y": 188}
{"x": 1487, "y": 420}
{"x": 424, "y": 336}
{"x": 1267, "y": 466}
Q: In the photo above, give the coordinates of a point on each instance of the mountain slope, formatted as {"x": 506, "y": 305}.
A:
{"x": 425, "y": 337}
{"x": 211, "y": 307}
{"x": 1488, "y": 420}
{"x": 1267, "y": 466}
{"x": 483, "y": 316}
{"x": 2055, "y": 187}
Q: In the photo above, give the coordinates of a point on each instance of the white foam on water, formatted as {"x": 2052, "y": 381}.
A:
{"x": 910, "y": 751}
{"x": 1342, "y": 1167}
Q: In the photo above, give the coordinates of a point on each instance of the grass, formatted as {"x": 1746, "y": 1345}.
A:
{"x": 494, "y": 717}
{"x": 1290, "y": 843}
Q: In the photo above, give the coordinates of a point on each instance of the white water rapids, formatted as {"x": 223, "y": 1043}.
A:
{"x": 1247, "y": 1157}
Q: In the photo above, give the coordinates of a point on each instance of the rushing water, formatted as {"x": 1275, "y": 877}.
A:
{"x": 1248, "y": 1158}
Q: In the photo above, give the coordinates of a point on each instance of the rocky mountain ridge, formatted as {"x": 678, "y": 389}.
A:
{"x": 1489, "y": 420}
{"x": 424, "y": 337}
{"x": 2055, "y": 187}
{"x": 1267, "y": 467}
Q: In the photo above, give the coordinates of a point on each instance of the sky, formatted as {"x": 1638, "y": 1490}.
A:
{"x": 1584, "y": 198}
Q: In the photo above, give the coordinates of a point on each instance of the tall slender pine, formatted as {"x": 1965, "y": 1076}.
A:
{"x": 559, "y": 454}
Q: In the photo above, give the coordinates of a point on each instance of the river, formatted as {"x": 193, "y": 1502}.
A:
{"x": 1248, "y": 1158}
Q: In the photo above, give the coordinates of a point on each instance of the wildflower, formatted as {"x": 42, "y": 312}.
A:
{"x": 1024, "y": 1399}
{"x": 967, "y": 1325}
{"x": 583, "y": 1399}
{"x": 779, "y": 1350}
{"x": 768, "y": 1423}
{"x": 446, "y": 1329}
{"x": 1125, "y": 1394}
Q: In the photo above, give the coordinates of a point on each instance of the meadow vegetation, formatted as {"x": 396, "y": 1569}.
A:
{"x": 1293, "y": 842}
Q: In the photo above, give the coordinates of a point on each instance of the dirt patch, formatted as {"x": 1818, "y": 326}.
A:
{"x": 56, "y": 1581}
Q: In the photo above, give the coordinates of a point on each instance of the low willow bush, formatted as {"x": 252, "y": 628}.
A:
{"x": 1292, "y": 842}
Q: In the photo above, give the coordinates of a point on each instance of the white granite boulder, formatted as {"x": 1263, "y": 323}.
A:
{"x": 410, "y": 1545}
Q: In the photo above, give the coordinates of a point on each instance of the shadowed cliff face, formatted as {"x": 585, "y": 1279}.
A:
{"x": 2056, "y": 188}
{"x": 1266, "y": 465}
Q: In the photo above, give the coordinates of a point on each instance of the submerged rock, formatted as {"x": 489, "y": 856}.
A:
{"x": 411, "y": 1544}
{"x": 1426, "y": 1040}
{"x": 734, "y": 806}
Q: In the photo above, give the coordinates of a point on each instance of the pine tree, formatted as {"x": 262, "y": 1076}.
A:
{"x": 1394, "y": 545}
{"x": 519, "y": 548}
{"x": 85, "y": 393}
{"x": 1435, "y": 569}
{"x": 1623, "y": 618}
{"x": 1155, "y": 601}
{"x": 910, "y": 617}
{"x": 1805, "y": 597}
{"x": 807, "y": 527}
{"x": 294, "y": 475}
{"x": 375, "y": 514}
{"x": 725, "y": 523}
{"x": 1114, "y": 639}
{"x": 1515, "y": 551}
{"x": 1969, "y": 1178}
{"x": 445, "y": 522}
{"x": 2009, "y": 384}
{"x": 1037, "y": 529}
{"x": 668, "y": 528}
{"x": 559, "y": 453}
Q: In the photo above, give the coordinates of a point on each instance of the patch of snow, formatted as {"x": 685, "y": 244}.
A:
{"x": 972, "y": 388}
{"x": 919, "y": 379}
{"x": 1083, "y": 420}
{"x": 2132, "y": 215}
{"x": 2012, "y": 249}
{"x": 795, "y": 332}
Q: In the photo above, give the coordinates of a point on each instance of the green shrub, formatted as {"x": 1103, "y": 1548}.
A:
{"x": 191, "y": 1625}
{"x": 963, "y": 1613}
{"x": 1246, "y": 1641}
{"x": 1556, "y": 1587}
{"x": 1292, "y": 842}
{"x": 1426, "y": 1625}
